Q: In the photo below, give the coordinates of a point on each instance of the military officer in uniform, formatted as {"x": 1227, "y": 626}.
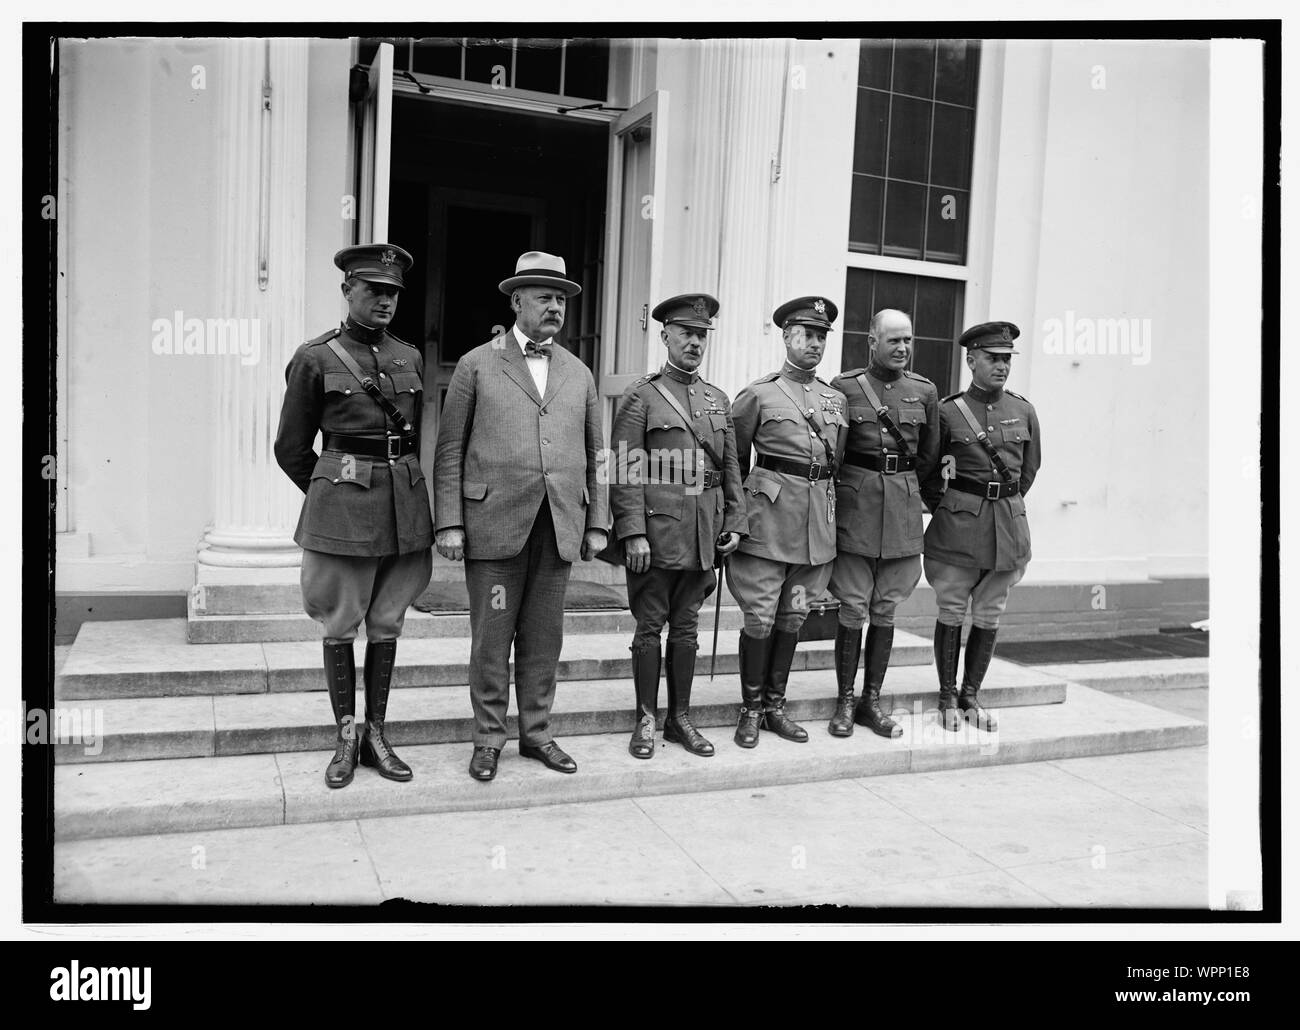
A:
{"x": 977, "y": 543}
{"x": 365, "y": 529}
{"x": 676, "y": 501}
{"x": 793, "y": 422}
{"x": 892, "y": 445}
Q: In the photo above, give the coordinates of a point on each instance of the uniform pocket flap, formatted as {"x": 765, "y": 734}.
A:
{"x": 860, "y": 413}
{"x": 474, "y": 491}
{"x": 911, "y": 416}
{"x": 718, "y": 422}
{"x": 407, "y": 382}
{"x": 341, "y": 382}
{"x": 762, "y": 485}
{"x": 417, "y": 473}
{"x": 664, "y": 500}
{"x": 851, "y": 477}
{"x": 343, "y": 468}
{"x": 777, "y": 414}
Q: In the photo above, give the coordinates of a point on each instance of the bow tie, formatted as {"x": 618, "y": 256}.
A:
{"x": 531, "y": 348}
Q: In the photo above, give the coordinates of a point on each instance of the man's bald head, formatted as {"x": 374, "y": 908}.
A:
{"x": 890, "y": 339}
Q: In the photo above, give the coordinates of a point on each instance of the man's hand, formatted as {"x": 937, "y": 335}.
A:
{"x": 636, "y": 553}
{"x": 730, "y": 541}
{"x": 593, "y": 542}
{"x": 450, "y": 543}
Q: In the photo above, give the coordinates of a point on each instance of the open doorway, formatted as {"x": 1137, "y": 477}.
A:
{"x": 472, "y": 188}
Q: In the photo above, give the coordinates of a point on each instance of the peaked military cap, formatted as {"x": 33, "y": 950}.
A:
{"x": 994, "y": 337}
{"x": 693, "y": 309}
{"x": 375, "y": 262}
{"x": 814, "y": 311}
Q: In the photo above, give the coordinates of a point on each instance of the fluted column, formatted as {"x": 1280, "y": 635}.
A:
{"x": 741, "y": 230}
{"x": 261, "y": 247}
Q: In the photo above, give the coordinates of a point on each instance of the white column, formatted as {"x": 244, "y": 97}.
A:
{"x": 738, "y": 230}
{"x": 263, "y": 193}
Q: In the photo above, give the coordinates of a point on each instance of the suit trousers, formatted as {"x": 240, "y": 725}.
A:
{"x": 985, "y": 590}
{"x": 674, "y": 596}
{"x": 872, "y": 587}
{"x": 517, "y": 602}
{"x": 339, "y": 590}
{"x": 774, "y": 592}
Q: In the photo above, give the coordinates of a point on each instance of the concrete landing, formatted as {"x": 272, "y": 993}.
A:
{"x": 116, "y": 799}
{"x": 1109, "y": 831}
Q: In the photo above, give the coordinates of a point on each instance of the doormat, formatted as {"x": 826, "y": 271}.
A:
{"x": 452, "y": 598}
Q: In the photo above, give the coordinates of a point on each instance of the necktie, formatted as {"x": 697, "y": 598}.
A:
{"x": 532, "y": 348}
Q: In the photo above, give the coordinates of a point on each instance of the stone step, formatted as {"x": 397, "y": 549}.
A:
{"x": 150, "y": 658}
{"x": 276, "y": 627}
{"x": 141, "y": 729}
{"x": 116, "y": 799}
{"x": 1146, "y": 674}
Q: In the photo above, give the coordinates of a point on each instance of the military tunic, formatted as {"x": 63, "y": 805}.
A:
{"x": 969, "y": 530}
{"x": 879, "y": 528}
{"x": 667, "y": 488}
{"x": 784, "y": 563}
{"x": 355, "y": 505}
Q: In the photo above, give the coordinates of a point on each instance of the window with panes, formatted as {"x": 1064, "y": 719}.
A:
{"x": 913, "y": 146}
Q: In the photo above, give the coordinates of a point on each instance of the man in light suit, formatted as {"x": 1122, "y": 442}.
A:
{"x": 516, "y": 496}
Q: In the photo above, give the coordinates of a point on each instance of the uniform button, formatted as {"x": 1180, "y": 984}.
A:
{"x": 692, "y": 391}
{"x": 375, "y": 349}
{"x": 391, "y": 462}
{"x": 545, "y": 442}
{"x": 697, "y": 414}
{"x": 989, "y": 406}
{"x": 346, "y": 390}
{"x": 336, "y": 480}
{"x": 649, "y": 511}
{"x": 381, "y": 375}
{"x": 990, "y": 429}
{"x": 807, "y": 388}
{"x": 889, "y": 386}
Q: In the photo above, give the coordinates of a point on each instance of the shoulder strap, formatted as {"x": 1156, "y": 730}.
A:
{"x": 830, "y": 450}
{"x": 371, "y": 387}
{"x": 983, "y": 438}
{"x": 882, "y": 412}
{"x": 690, "y": 426}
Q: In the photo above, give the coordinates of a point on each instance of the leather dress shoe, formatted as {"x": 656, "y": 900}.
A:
{"x": 483, "y": 764}
{"x": 550, "y": 755}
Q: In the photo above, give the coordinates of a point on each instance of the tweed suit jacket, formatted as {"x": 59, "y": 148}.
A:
{"x": 502, "y": 448}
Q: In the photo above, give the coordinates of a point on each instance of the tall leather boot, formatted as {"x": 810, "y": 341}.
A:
{"x": 778, "y": 672}
{"x": 880, "y": 644}
{"x": 375, "y": 751}
{"x": 645, "y": 677}
{"x": 341, "y": 682}
{"x": 848, "y": 647}
{"x": 979, "y": 652}
{"x": 753, "y": 666}
{"x": 947, "y": 650}
{"x": 680, "y": 672}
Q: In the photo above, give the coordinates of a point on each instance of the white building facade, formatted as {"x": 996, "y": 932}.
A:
{"x": 205, "y": 185}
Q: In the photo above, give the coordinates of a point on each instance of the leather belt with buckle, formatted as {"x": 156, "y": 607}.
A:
{"x": 811, "y": 471}
{"x": 705, "y": 479}
{"x": 390, "y": 447}
{"x": 993, "y": 491}
{"x": 888, "y": 464}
